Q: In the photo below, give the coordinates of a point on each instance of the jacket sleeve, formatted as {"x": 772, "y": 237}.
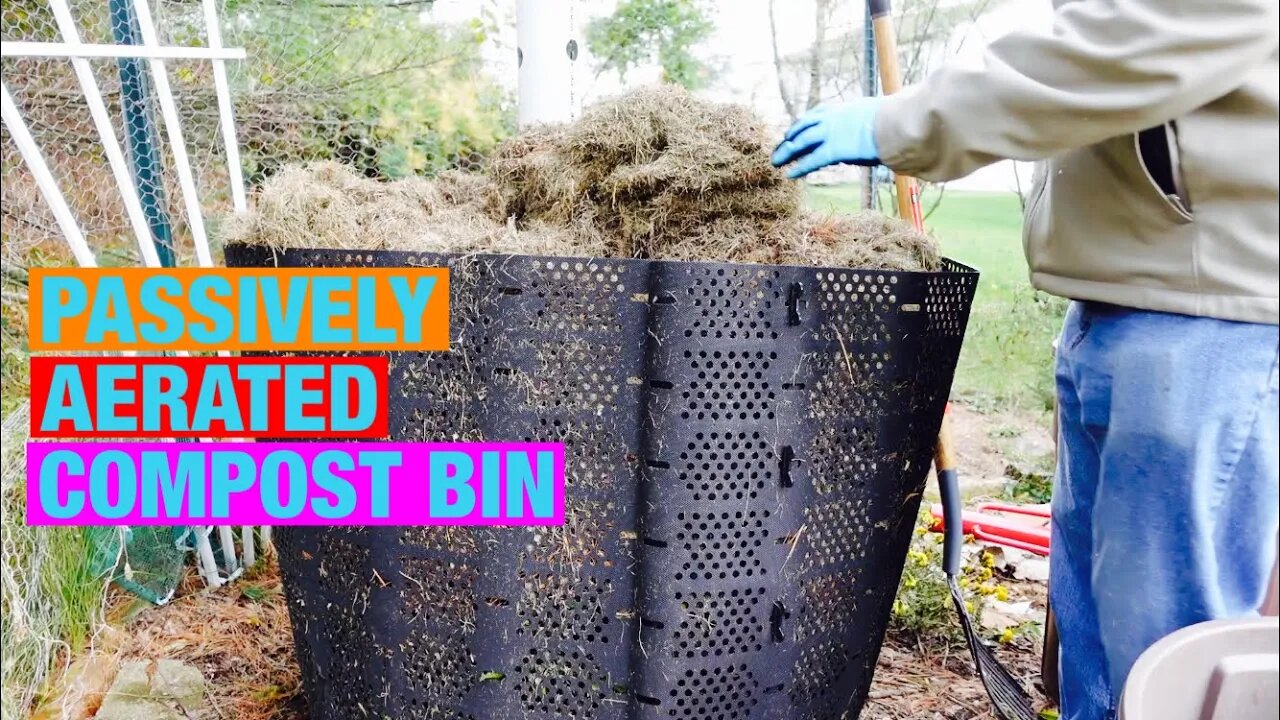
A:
{"x": 1108, "y": 67}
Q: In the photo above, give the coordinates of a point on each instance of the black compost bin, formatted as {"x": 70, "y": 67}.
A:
{"x": 746, "y": 450}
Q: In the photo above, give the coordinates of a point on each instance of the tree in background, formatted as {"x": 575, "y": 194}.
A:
{"x": 831, "y": 68}
{"x": 641, "y": 31}
{"x": 375, "y": 84}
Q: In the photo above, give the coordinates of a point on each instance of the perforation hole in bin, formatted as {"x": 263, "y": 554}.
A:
{"x": 576, "y": 296}
{"x": 843, "y": 449}
{"x": 828, "y": 604}
{"x": 722, "y": 545}
{"x": 345, "y": 693}
{"x": 439, "y": 671}
{"x": 851, "y": 376}
{"x": 813, "y": 680}
{"x": 564, "y": 607}
{"x": 352, "y": 667}
{"x": 855, "y": 305}
{"x": 946, "y": 300}
{"x": 719, "y": 693}
{"x": 461, "y": 540}
{"x": 420, "y": 374}
{"x": 438, "y": 590}
{"x": 343, "y": 565}
{"x": 726, "y": 465}
{"x": 721, "y": 622}
{"x": 566, "y": 684}
{"x": 594, "y": 460}
{"x": 439, "y": 386}
{"x": 305, "y": 617}
{"x": 837, "y": 458}
{"x": 837, "y": 533}
{"x": 729, "y": 385}
{"x": 580, "y": 540}
{"x": 435, "y": 713}
{"x": 577, "y": 377}
{"x": 732, "y": 304}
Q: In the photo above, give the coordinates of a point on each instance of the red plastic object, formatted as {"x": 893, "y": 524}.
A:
{"x": 1025, "y": 527}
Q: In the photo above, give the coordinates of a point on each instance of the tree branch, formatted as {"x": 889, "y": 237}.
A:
{"x": 777, "y": 64}
{"x": 821, "y": 11}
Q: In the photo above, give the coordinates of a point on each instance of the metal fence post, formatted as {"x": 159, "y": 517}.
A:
{"x": 140, "y": 131}
{"x": 869, "y": 80}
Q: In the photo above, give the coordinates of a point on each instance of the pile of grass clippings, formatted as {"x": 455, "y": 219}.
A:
{"x": 655, "y": 173}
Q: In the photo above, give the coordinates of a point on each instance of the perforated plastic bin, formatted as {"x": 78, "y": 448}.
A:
{"x": 746, "y": 449}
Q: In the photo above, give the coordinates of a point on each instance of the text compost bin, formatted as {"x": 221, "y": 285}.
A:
{"x": 209, "y": 397}
{"x": 302, "y": 483}
{"x": 215, "y": 309}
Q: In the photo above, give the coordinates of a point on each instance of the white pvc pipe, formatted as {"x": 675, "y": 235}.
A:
{"x": 247, "y": 552}
{"x": 106, "y": 134}
{"x": 228, "y": 542}
{"x": 545, "y": 34}
{"x": 227, "y": 124}
{"x": 177, "y": 144}
{"x": 24, "y": 48}
{"x": 204, "y": 555}
{"x": 44, "y": 179}
{"x": 226, "y": 119}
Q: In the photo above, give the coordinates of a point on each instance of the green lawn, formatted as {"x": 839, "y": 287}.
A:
{"x": 1007, "y": 359}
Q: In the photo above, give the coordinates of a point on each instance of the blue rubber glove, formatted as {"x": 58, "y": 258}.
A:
{"x": 830, "y": 135}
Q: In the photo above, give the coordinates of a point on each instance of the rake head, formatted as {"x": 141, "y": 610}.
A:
{"x": 1010, "y": 700}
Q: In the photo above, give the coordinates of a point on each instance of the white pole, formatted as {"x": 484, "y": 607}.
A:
{"x": 204, "y": 557}
{"x": 177, "y": 144}
{"x": 227, "y": 120}
{"x": 246, "y": 546}
{"x": 44, "y": 179}
{"x": 106, "y": 134}
{"x": 228, "y": 541}
{"x": 547, "y": 45}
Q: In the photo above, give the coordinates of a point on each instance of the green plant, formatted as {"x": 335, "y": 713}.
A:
{"x": 923, "y": 607}
{"x": 51, "y": 600}
{"x": 1027, "y": 485}
{"x": 377, "y": 86}
{"x": 640, "y": 31}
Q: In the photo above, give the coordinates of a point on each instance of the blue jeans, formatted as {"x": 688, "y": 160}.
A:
{"x": 1165, "y": 504}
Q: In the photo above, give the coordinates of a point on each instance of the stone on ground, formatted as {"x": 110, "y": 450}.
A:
{"x": 160, "y": 690}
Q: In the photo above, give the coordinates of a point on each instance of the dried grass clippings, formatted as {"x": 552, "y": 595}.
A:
{"x": 656, "y": 173}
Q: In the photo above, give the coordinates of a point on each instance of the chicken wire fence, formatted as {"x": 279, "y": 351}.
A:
{"x": 374, "y": 83}
{"x": 362, "y": 82}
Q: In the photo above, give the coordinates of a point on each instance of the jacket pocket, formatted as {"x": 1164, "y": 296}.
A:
{"x": 1156, "y": 150}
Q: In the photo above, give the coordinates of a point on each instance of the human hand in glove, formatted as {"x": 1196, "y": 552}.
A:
{"x": 830, "y": 135}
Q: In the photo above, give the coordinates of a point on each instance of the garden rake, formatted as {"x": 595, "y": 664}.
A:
{"x": 1009, "y": 699}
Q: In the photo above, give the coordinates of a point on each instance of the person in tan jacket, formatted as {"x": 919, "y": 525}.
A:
{"x": 1155, "y": 209}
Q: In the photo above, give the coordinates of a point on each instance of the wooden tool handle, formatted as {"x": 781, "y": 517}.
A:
{"x": 891, "y": 82}
{"x": 886, "y": 49}
{"x": 908, "y": 190}
{"x": 944, "y": 455}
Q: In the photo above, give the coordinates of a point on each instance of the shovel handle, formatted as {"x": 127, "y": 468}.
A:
{"x": 944, "y": 461}
{"x": 886, "y": 38}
